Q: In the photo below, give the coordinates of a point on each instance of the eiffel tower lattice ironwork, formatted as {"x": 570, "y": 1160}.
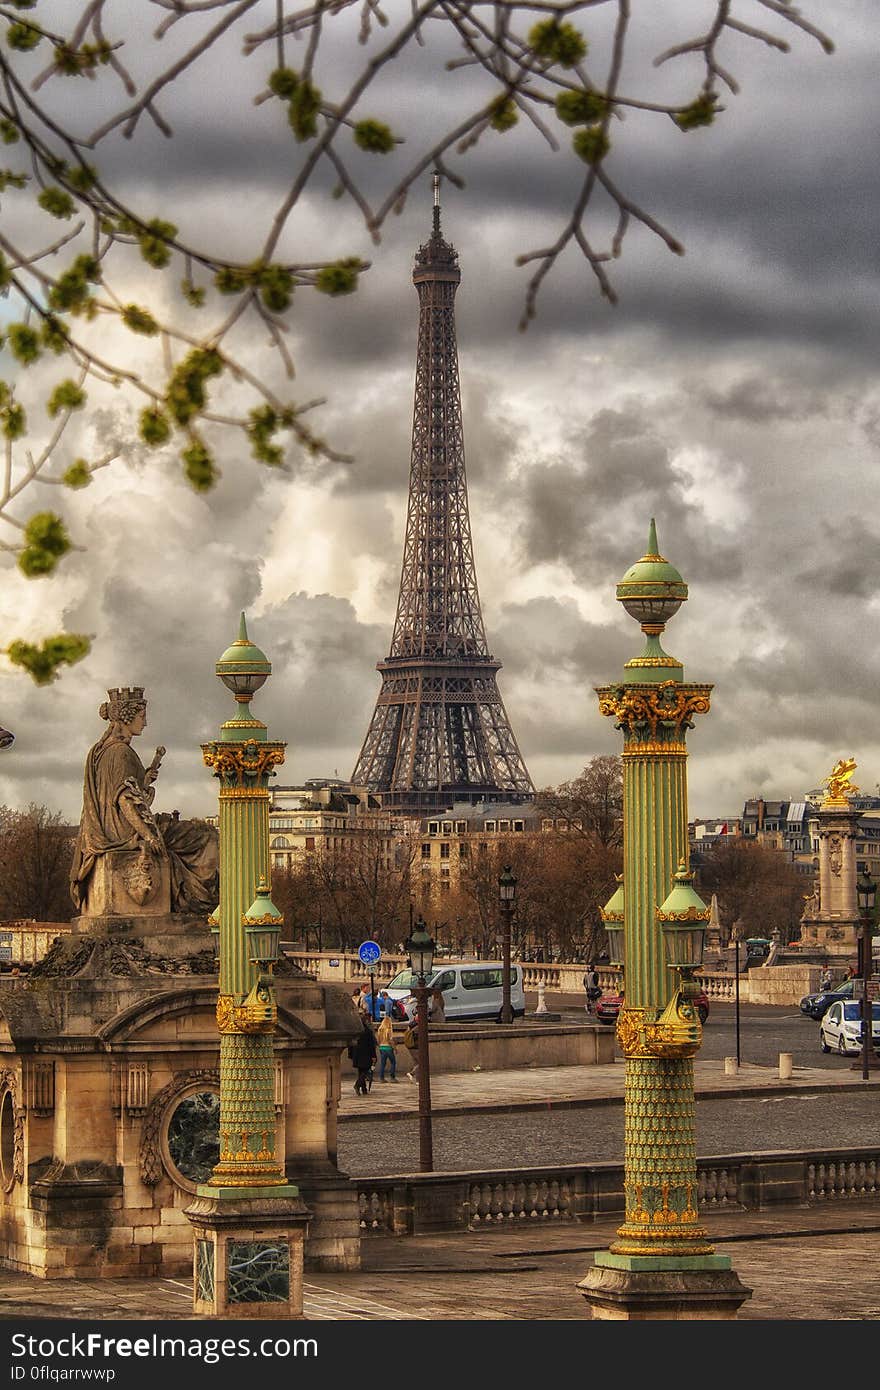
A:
{"x": 439, "y": 732}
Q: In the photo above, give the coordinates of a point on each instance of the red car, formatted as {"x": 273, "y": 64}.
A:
{"x": 608, "y": 1007}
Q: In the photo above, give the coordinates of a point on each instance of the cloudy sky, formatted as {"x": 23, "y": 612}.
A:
{"x": 732, "y": 394}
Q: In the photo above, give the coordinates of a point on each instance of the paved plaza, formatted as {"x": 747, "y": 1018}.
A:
{"x": 788, "y": 1256}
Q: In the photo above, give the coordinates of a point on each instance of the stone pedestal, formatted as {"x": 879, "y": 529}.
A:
{"x": 650, "y": 1288}
{"x": 248, "y": 1252}
{"x": 125, "y": 883}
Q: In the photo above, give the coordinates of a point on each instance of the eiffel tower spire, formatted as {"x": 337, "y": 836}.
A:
{"x": 439, "y": 732}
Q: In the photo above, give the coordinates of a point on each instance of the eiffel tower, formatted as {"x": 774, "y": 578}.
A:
{"x": 439, "y": 732}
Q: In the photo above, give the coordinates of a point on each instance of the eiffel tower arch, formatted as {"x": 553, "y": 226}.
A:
{"x": 439, "y": 732}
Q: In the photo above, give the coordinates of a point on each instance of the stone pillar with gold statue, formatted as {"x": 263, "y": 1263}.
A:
{"x": 830, "y": 922}
{"x": 248, "y": 1221}
{"x": 662, "y": 1265}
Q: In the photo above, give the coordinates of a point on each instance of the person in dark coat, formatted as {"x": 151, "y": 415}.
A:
{"x": 363, "y": 1054}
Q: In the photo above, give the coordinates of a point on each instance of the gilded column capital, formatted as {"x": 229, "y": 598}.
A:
{"x": 655, "y": 714}
{"x": 240, "y": 764}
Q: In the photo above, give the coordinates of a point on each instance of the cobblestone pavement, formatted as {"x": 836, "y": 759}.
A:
{"x": 792, "y": 1261}
{"x": 592, "y": 1133}
{"x": 802, "y": 1263}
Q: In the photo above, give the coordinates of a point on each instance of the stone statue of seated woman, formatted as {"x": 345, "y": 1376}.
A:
{"x": 128, "y": 860}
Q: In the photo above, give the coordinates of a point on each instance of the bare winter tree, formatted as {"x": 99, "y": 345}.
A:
{"x": 590, "y": 805}
{"x": 81, "y": 84}
{"x": 36, "y": 848}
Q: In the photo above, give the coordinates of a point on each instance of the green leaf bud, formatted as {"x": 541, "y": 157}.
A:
{"x": 199, "y": 468}
{"x": 77, "y": 475}
{"x": 303, "y": 109}
{"x": 504, "y": 114}
{"x": 66, "y": 396}
{"x": 82, "y": 177}
{"x": 23, "y": 36}
{"x": 264, "y": 421}
{"x": 185, "y": 395}
{"x": 276, "y": 287}
{"x": 42, "y": 663}
{"x": 70, "y": 293}
{"x": 153, "y": 242}
{"x": 374, "y": 136}
{"x": 10, "y": 179}
{"x": 14, "y": 421}
{"x": 339, "y": 278}
{"x": 193, "y": 294}
{"x": 139, "y": 320}
{"x": 591, "y": 144}
{"x": 53, "y": 334}
{"x": 46, "y": 540}
{"x": 700, "y": 112}
{"x": 581, "y": 108}
{"x": 230, "y": 280}
{"x": 283, "y": 83}
{"x": 557, "y": 42}
{"x": 8, "y": 132}
{"x": 24, "y": 343}
{"x": 55, "y": 201}
{"x": 154, "y": 427}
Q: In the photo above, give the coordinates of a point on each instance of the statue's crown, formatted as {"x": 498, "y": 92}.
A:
{"x": 124, "y": 701}
{"x": 126, "y": 694}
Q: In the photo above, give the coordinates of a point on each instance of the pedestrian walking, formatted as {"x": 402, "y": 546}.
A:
{"x": 592, "y": 988}
{"x": 386, "y": 1004}
{"x": 411, "y": 1043}
{"x": 385, "y": 1039}
{"x": 436, "y": 1007}
{"x": 363, "y": 1055}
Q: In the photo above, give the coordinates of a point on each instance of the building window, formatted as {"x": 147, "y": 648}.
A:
{"x": 433, "y": 827}
{"x": 426, "y": 872}
{"x": 445, "y": 885}
{"x": 447, "y": 827}
{"x": 490, "y": 825}
{"x": 546, "y": 825}
{"x": 426, "y": 850}
{"x": 444, "y": 872}
{"x": 518, "y": 825}
{"x": 504, "y": 825}
{"x": 444, "y": 850}
{"x": 310, "y": 842}
{"x": 461, "y": 827}
{"x": 462, "y": 851}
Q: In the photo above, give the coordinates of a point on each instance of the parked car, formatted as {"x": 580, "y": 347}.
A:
{"x": 841, "y": 1028}
{"x": 471, "y": 990}
{"x": 816, "y": 1005}
{"x": 609, "y": 1006}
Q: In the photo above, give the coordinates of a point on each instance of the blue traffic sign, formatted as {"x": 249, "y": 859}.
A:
{"x": 369, "y": 952}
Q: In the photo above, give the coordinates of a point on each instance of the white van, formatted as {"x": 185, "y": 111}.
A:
{"x": 471, "y": 990}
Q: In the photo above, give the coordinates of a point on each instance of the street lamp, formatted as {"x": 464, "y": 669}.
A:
{"x": 507, "y": 895}
{"x": 420, "y": 950}
{"x": 866, "y": 892}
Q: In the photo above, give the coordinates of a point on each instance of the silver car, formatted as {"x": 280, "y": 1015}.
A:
{"x": 841, "y": 1028}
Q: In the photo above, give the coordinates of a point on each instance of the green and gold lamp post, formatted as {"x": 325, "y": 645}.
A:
{"x": 661, "y": 1265}
{"x": 249, "y": 1222}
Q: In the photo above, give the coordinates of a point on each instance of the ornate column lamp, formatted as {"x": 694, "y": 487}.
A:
{"x": 661, "y": 1265}
{"x": 249, "y": 1222}
{"x": 866, "y": 891}
{"x": 420, "y": 952}
{"x": 507, "y": 897}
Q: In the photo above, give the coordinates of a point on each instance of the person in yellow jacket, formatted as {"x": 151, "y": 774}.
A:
{"x": 385, "y": 1039}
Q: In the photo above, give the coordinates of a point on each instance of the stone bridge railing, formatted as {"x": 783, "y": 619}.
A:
{"x": 344, "y": 968}
{"x": 500, "y": 1199}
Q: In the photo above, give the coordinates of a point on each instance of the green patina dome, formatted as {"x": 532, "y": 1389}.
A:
{"x": 652, "y": 589}
{"x": 243, "y": 657}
